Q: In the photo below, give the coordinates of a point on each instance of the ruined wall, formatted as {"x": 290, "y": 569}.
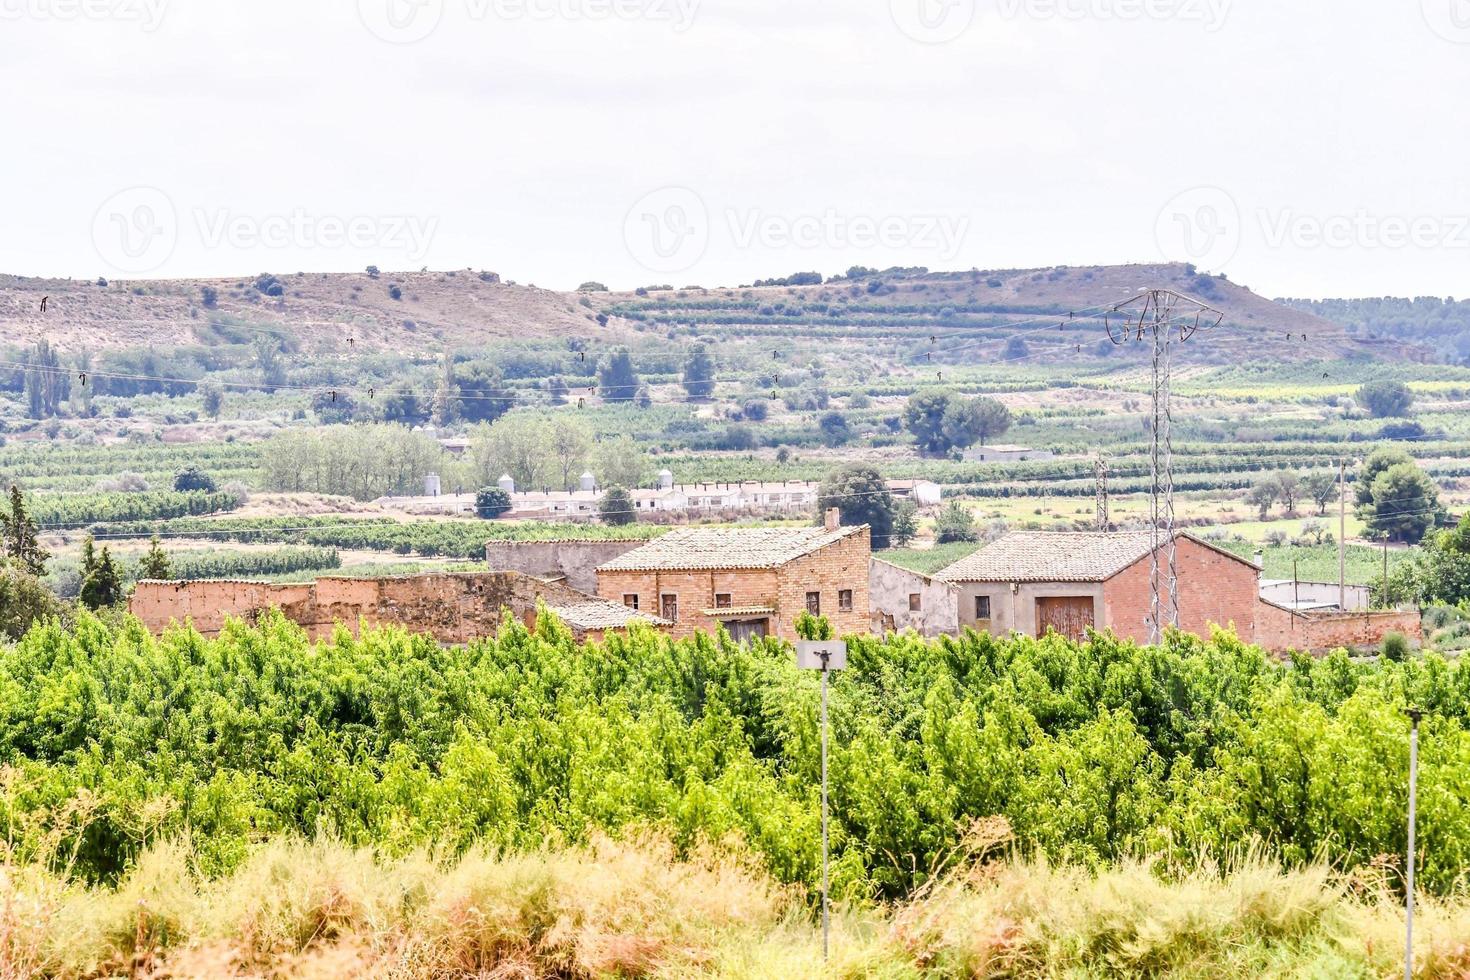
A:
{"x": 576, "y": 560}
{"x": 1279, "y": 629}
{"x": 453, "y": 608}
{"x": 889, "y": 590}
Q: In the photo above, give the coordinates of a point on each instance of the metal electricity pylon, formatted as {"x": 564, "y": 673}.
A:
{"x": 1163, "y": 319}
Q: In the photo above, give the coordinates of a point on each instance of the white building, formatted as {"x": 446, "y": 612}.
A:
{"x": 1006, "y": 454}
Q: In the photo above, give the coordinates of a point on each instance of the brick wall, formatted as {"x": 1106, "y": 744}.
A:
{"x": 1214, "y": 588}
{"x": 841, "y": 565}
{"x": 454, "y": 608}
{"x": 1279, "y": 629}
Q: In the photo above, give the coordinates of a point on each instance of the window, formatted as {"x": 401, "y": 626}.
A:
{"x": 982, "y": 607}
{"x": 915, "y": 602}
{"x": 814, "y": 603}
{"x": 844, "y": 600}
{"x": 669, "y": 608}
{"x": 722, "y": 600}
{"x": 630, "y": 599}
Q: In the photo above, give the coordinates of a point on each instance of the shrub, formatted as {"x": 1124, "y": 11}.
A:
{"x": 491, "y": 502}
{"x": 1395, "y": 647}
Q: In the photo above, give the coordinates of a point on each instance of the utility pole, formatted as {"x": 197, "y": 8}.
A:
{"x": 1163, "y": 319}
{"x": 1342, "y": 535}
{"x": 1100, "y": 508}
{"x": 1385, "y": 571}
{"x": 1296, "y": 586}
{"x": 1414, "y": 717}
{"x": 826, "y": 656}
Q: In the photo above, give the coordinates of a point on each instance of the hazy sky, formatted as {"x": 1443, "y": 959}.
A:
{"x": 1304, "y": 147}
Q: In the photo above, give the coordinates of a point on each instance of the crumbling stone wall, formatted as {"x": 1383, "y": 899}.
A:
{"x": 454, "y": 608}
{"x": 577, "y": 561}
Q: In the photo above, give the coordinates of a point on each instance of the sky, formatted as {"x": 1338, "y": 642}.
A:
{"x": 1302, "y": 147}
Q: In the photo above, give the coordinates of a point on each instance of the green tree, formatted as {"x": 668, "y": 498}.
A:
{"x": 21, "y": 536}
{"x": 971, "y": 420}
{"x": 269, "y": 361}
{"x": 491, "y": 502}
{"x": 619, "y": 462}
{"x": 24, "y": 601}
{"x": 1015, "y": 349}
{"x": 699, "y": 373}
{"x": 924, "y": 418}
{"x": 212, "y": 397}
{"x": 616, "y": 379}
{"x": 1441, "y": 571}
{"x": 1321, "y": 486}
{"x": 102, "y": 586}
{"x": 518, "y": 444}
{"x": 955, "y": 523}
{"x": 478, "y": 389}
{"x": 616, "y": 507}
{"x": 569, "y": 441}
{"x": 1263, "y": 494}
{"x": 905, "y": 523}
{"x": 1405, "y": 503}
{"x": 1378, "y": 460}
{"x": 835, "y": 430}
{"x": 861, "y": 496}
{"x": 1385, "y": 399}
{"x": 155, "y": 564}
{"x": 45, "y": 384}
{"x": 192, "y": 478}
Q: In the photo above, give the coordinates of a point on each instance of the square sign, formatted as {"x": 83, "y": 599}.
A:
{"x": 821, "y": 654}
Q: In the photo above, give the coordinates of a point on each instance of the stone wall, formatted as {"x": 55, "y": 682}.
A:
{"x": 454, "y": 608}
{"x": 890, "y": 592}
{"x": 1279, "y": 629}
{"x": 577, "y": 561}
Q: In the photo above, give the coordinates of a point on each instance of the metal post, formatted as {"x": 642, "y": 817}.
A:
{"x": 1342, "y": 535}
{"x": 1414, "y": 716}
{"x": 826, "y": 924}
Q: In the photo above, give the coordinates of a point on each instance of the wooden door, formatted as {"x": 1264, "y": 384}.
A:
{"x": 1069, "y": 615}
{"x": 745, "y": 630}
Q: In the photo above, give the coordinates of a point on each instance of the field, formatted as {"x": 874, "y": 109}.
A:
{"x": 999, "y": 807}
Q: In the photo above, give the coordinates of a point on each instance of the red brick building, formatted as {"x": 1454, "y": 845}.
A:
{"x": 753, "y": 581}
{"x": 1034, "y": 582}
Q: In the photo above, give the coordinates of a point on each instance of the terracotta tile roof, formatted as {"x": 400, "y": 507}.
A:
{"x": 1058, "y": 556}
{"x": 602, "y": 614}
{"x": 725, "y": 612}
{"x": 696, "y": 548}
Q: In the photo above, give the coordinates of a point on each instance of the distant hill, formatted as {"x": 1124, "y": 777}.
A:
{"x": 437, "y": 310}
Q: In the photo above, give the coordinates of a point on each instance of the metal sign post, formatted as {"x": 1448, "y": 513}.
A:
{"x": 826, "y": 656}
{"x": 1414, "y": 716}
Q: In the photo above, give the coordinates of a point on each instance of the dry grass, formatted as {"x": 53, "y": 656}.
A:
{"x": 635, "y": 909}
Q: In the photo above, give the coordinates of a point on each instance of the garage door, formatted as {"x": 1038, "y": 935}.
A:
{"x": 1069, "y": 615}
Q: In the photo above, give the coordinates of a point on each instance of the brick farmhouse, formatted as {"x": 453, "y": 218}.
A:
{"x": 1034, "y": 582}
{"x": 753, "y": 581}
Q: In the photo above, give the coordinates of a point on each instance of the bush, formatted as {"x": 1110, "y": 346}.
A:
{"x": 491, "y": 502}
{"x": 1395, "y": 647}
{"x": 193, "y": 479}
